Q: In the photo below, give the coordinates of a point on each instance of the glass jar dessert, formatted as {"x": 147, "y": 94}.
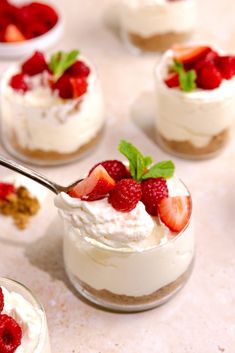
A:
{"x": 23, "y": 325}
{"x": 195, "y": 101}
{"x": 52, "y": 111}
{"x": 128, "y": 235}
{"x": 155, "y": 25}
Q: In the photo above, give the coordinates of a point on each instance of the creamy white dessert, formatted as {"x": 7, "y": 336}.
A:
{"x": 157, "y": 24}
{"x": 127, "y": 254}
{"x": 31, "y": 320}
{"x": 41, "y": 125}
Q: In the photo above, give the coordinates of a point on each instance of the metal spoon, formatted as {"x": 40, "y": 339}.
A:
{"x": 32, "y": 174}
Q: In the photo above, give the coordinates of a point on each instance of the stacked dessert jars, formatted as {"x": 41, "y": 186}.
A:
{"x": 155, "y": 25}
{"x": 52, "y": 110}
{"x": 129, "y": 240}
{"x": 23, "y": 322}
{"x": 195, "y": 101}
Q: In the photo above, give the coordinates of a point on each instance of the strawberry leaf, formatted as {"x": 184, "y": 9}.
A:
{"x": 187, "y": 79}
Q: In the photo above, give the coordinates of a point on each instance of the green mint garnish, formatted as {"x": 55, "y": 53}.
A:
{"x": 139, "y": 163}
{"x": 187, "y": 78}
{"x": 61, "y": 61}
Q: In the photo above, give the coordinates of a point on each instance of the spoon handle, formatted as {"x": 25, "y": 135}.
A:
{"x": 30, "y": 173}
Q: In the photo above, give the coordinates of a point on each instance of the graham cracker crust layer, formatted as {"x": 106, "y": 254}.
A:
{"x": 160, "y": 294}
{"x": 47, "y": 156}
{"x": 188, "y": 149}
{"x": 158, "y": 42}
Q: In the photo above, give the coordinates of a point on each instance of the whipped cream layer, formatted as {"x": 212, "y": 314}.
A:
{"x": 30, "y": 319}
{"x": 40, "y": 119}
{"x": 102, "y": 244}
{"x": 150, "y": 17}
{"x": 196, "y": 116}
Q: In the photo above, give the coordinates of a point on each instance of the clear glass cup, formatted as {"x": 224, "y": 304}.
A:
{"x": 156, "y": 27}
{"x": 42, "y": 345}
{"x": 123, "y": 279}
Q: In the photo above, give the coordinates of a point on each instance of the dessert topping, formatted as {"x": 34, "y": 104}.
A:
{"x": 116, "y": 169}
{"x": 186, "y": 78}
{"x": 18, "y": 83}
{"x": 125, "y": 195}
{"x": 10, "y": 334}
{"x": 174, "y": 212}
{"x": 153, "y": 190}
{"x": 208, "y": 76}
{"x": 1, "y": 300}
{"x": 35, "y": 64}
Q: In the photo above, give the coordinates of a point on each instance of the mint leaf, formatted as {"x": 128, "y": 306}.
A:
{"x": 163, "y": 169}
{"x": 148, "y": 161}
{"x": 61, "y": 61}
{"x": 135, "y": 158}
{"x": 187, "y": 79}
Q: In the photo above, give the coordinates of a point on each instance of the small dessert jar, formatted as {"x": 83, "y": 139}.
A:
{"x": 122, "y": 278}
{"x": 23, "y": 307}
{"x": 48, "y": 120}
{"x": 194, "y": 124}
{"x": 155, "y": 25}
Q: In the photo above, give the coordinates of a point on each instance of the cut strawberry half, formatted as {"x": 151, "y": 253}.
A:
{"x": 174, "y": 212}
{"x": 95, "y": 187}
{"x": 6, "y": 189}
{"x": 172, "y": 80}
{"x": 35, "y": 64}
{"x": 79, "y": 85}
{"x": 13, "y": 34}
{"x": 191, "y": 54}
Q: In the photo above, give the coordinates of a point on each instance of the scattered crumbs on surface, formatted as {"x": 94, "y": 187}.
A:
{"x": 221, "y": 349}
{"x": 20, "y": 205}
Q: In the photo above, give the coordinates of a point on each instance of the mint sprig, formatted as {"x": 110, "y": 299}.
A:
{"x": 61, "y": 61}
{"x": 138, "y": 164}
{"x": 187, "y": 79}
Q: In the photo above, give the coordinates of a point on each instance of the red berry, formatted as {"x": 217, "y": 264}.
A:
{"x": 78, "y": 69}
{"x": 153, "y": 190}
{"x": 64, "y": 87}
{"x": 79, "y": 86}
{"x": 10, "y": 334}
{"x": 125, "y": 195}
{"x": 174, "y": 212}
{"x": 116, "y": 169}
{"x": 226, "y": 66}
{"x": 209, "y": 77}
{"x": 172, "y": 80}
{"x": 18, "y": 83}
{"x": 34, "y": 65}
{"x": 35, "y": 29}
{"x": 1, "y": 300}
{"x": 45, "y": 13}
{"x": 96, "y": 186}
{"x": 5, "y": 190}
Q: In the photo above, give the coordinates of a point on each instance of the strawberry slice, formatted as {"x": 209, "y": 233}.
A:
{"x": 191, "y": 54}
{"x": 174, "y": 212}
{"x": 13, "y": 34}
{"x": 98, "y": 184}
{"x": 79, "y": 85}
{"x": 172, "y": 80}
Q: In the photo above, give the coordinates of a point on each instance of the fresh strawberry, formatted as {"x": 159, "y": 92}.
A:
{"x": 172, "y": 80}
{"x": 226, "y": 66}
{"x": 18, "y": 83}
{"x": 78, "y": 69}
{"x": 35, "y": 29}
{"x": 34, "y": 65}
{"x": 190, "y": 54}
{"x": 116, "y": 169}
{"x": 13, "y": 34}
{"x": 174, "y": 212}
{"x": 1, "y": 300}
{"x": 64, "y": 87}
{"x": 79, "y": 85}
{"x": 96, "y": 186}
{"x": 6, "y": 189}
{"x": 153, "y": 190}
{"x": 125, "y": 195}
{"x": 10, "y": 334}
{"x": 45, "y": 13}
{"x": 208, "y": 77}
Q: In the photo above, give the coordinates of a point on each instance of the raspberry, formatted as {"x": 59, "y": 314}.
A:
{"x": 45, "y": 13}
{"x": 172, "y": 80}
{"x": 79, "y": 85}
{"x": 64, "y": 87}
{"x": 18, "y": 83}
{"x": 78, "y": 69}
{"x": 1, "y": 300}
{"x": 34, "y": 65}
{"x": 226, "y": 66}
{"x": 125, "y": 195}
{"x": 153, "y": 190}
{"x": 35, "y": 29}
{"x": 116, "y": 169}
{"x": 209, "y": 77}
{"x": 10, "y": 334}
